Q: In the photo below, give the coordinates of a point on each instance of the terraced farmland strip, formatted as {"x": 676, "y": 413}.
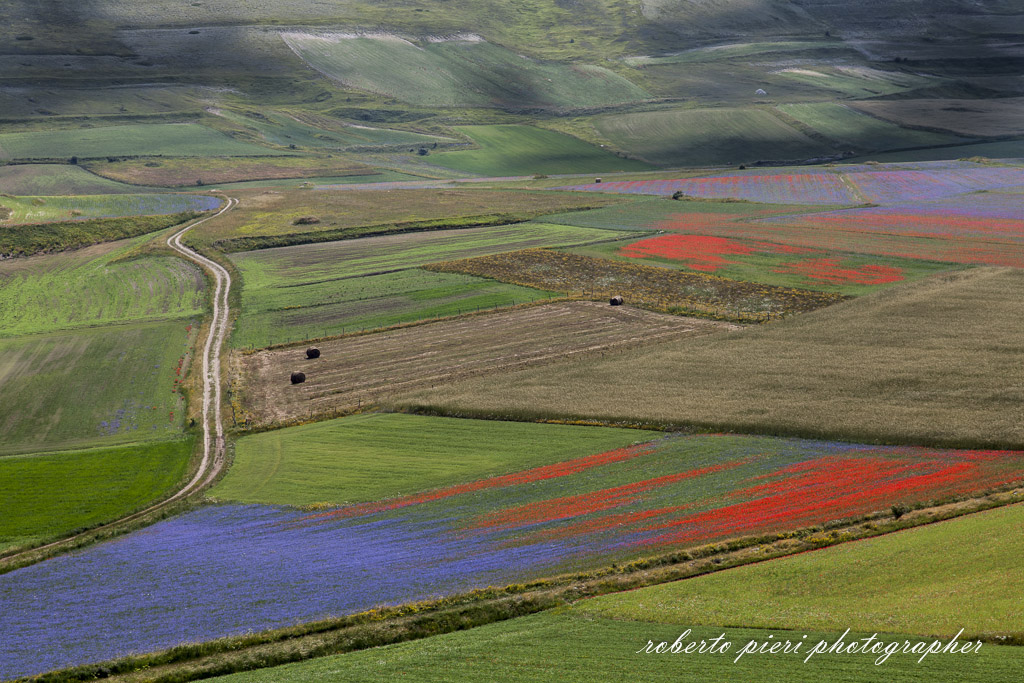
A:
{"x": 366, "y": 368}
{"x": 312, "y": 263}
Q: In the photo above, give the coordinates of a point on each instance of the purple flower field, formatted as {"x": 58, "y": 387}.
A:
{"x": 888, "y": 187}
{"x": 230, "y": 569}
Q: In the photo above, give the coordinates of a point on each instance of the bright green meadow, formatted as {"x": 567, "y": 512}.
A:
{"x": 306, "y": 311}
{"x": 842, "y": 124}
{"x": 514, "y": 150}
{"x": 375, "y": 456}
{"x": 48, "y": 495}
{"x": 570, "y": 646}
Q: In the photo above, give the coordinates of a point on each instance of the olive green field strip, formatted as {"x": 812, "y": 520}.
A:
{"x": 310, "y": 263}
{"x": 366, "y": 368}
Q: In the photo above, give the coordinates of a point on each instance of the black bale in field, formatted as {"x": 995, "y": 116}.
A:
{"x": 298, "y": 377}
{"x": 616, "y": 300}
{"x": 312, "y": 352}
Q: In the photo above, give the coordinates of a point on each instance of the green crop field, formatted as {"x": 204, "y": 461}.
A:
{"x": 44, "y": 238}
{"x": 320, "y": 309}
{"x": 376, "y": 456}
{"x": 700, "y": 137}
{"x": 771, "y": 264}
{"x": 170, "y": 139}
{"x": 91, "y": 287}
{"x": 323, "y": 182}
{"x": 916, "y": 581}
{"x": 297, "y": 215}
{"x": 1006, "y": 149}
{"x": 849, "y": 126}
{"x": 923, "y": 363}
{"x": 54, "y": 179}
{"x": 459, "y": 72}
{"x": 311, "y": 263}
{"x": 731, "y": 51}
{"x": 972, "y": 117}
{"x": 510, "y": 150}
{"x": 572, "y": 646}
{"x": 43, "y": 496}
{"x": 92, "y": 387}
{"x": 49, "y": 209}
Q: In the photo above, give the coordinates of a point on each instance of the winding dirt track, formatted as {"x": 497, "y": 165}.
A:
{"x": 213, "y": 439}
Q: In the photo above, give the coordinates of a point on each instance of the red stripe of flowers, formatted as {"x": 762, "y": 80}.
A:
{"x": 828, "y": 489}
{"x": 559, "y": 469}
{"x": 587, "y": 503}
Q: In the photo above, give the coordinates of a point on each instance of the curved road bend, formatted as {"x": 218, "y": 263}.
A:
{"x": 213, "y": 440}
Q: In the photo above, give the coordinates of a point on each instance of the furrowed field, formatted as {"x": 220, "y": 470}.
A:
{"x": 659, "y": 289}
{"x": 926, "y": 362}
{"x": 320, "y": 309}
{"x": 367, "y": 368}
{"x": 613, "y": 504}
{"x": 36, "y": 508}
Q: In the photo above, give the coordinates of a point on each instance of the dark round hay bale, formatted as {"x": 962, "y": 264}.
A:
{"x": 597, "y": 180}
{"x": 312, "y": 352}
{"x": 616, "y": 300}
{"x": 298, "y": 377}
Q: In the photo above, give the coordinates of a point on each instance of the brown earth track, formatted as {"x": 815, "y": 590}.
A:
{"x": 365, "y": 368}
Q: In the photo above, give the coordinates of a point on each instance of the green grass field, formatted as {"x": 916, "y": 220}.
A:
{"x": 1008, "y": 149}
{"x": 382, "y": 176}
{"x": 572, "y": 646}
{"x": 92, "y": 387}
{"x": 700, "y": 137}
{"x": 169, "y": 139}
{"x": 48, "y": 495}
{"x": 452, "y": 73}
{"x": 917, "y": 581}
{"x": 49, "y": 209}
{"x": 511, "y": 150}
{"x": 853, "y": 81}
{"x": 54, "y": 179}
{"x": 851, "y": 127}
{"x": 312, "y": 263}
{"x": 89, "y": 287}
{"x": 730, "y": 51}
{"x": 375, "y": 456}
{"x": 852, "y": 275}
{"x": 320, "y": 309}
{"x": 924, "y": 363}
